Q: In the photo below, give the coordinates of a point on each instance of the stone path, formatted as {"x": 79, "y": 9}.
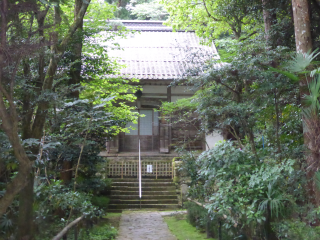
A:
{"x": 143, "y": 226}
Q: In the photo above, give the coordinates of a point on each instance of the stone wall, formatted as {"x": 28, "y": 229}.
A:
{"x": 182, "y": 181}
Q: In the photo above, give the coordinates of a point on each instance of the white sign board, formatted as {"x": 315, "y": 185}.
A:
{"x": 149, "y": 168}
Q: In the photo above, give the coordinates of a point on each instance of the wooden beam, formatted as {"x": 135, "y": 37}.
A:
{"x": 169, "y": 94}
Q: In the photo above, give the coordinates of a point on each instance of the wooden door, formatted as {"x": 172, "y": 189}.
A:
{"x": 164, "y": 138}
{"x": 113, "y": 145}
{"x": 147, "y": 130}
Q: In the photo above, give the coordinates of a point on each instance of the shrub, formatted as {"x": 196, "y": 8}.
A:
{"x": 100, "y": 201}
{"x": 296, "y": 230}
{"x": 105, "y": 232}
{"x": 197, "y": 215}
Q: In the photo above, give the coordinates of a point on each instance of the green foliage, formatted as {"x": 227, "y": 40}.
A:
{"x": 298, "y": 65}
{"x": 274, "y": 201}
{"x": 99, "y": 10}
{"x": 296, "y": 230}
{"x": 251, "y": 95}
{"x": 312, "y": 99}
{"x": 6, "y": 224}
{"x": 184, "y": 105}
{"x": 105, "y": 232}
{"x": 227, "y": 49}
{"x": 212, "y": 18}
{"x": 317, "y": 178}
{"x": 149, "y": 11}
{"x": 56, "y": 196}
{"x": 197, "y": 216}
{"x": 238, "y": 189}
{"x": 100, "y": 201}
{"x": 139, "y": 9}
{"x": 182, "y": 229}
{"x": 300, "y": 62}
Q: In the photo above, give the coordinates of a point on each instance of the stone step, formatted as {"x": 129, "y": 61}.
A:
{"x": 149, "y": 193}
{"x": 114, "y": 211}
{"x": 150, "y": 201}
{"x": 143, "y": 188}
{"x": 142, "y": 180}
{"x": 145, "y": 184}
{"x": 156, "y": 194}
{"x": 135, "y": 206}
{"x": 149, "y": 158}
{"x": 144, "y": 197}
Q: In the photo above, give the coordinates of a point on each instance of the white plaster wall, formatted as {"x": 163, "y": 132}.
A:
{"x": 181, "y": 89}
{"x": 154, "y": 89}
{"x": 212, "y": 139}
{"x": 176, "y": 98}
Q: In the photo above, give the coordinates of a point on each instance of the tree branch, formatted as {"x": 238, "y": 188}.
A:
{"x": 67, "y": 228}
{"x": 20, "y": 180}
{"x": 47, "y": 84}
{"x": 223, "y": 84}
{"x": 209, "y": 15}
{"x": 251, "y": 34}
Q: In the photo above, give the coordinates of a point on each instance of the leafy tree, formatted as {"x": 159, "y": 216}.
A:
{"x": 48, "y": 60}
{"x": 212, "y": 18}
{"x": 139, "y": 9}
{"x": 9, "y": 114}
{"x": 149, "y": 11}
{"x": 259, "y": 109}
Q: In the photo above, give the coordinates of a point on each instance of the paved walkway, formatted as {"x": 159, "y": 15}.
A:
{"x": 143, "y": 226}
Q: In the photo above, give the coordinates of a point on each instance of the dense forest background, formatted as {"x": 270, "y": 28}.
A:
{"x": 139, "y": 9}
{"x": 57, "y": 109}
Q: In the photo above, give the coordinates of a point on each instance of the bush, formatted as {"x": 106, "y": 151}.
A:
{"x": 296, "y": 230}
{"x": 196, "y": 215}
{"x": 105, "y": 232}
{"x": 100, "y": 201}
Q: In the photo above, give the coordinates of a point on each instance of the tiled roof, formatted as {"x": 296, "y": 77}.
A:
{"x": 141, "y": 25}
{"x": 155, "y": 53}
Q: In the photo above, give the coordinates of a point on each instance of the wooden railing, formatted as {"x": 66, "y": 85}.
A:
{"x": 130, "y": 169}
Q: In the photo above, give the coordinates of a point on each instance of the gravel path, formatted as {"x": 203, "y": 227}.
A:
{"x": 143, "y": 226}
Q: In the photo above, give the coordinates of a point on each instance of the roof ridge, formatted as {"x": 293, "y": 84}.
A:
{"x": 146, "y": 25}
{"x": 136, "y": 21}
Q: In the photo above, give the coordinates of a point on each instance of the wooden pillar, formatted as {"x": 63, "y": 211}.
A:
{"x": 169, "y": 94}
{"x": 122, "y": 170}
{"x": 172, "y": 170}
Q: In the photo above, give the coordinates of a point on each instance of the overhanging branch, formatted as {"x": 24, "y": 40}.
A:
{"x": 209, "y": 15}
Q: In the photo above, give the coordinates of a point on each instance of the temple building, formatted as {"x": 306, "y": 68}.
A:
{"x": 155, "y": 55}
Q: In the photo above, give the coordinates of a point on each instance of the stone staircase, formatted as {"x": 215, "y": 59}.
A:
{"x": 157, "y": 194}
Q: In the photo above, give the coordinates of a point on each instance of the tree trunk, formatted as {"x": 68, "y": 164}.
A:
{"x": 66, "y": 172}
{"x": 9, "y": 116}
{"x": 268, "y": 18}
{"x": 25, "y": 220}
{"x": 74, "y": 80}
{"x": 301, "y": 15}
{"x": 76, "y": 48}
{"x": 270, "y": 234}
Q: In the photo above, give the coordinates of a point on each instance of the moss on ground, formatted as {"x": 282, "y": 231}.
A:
{"x": 113, "y": 219}
{"x": 179, "y": 226}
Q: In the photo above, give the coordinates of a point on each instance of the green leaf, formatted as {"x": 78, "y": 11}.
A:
{"x": 286, "y": 73}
